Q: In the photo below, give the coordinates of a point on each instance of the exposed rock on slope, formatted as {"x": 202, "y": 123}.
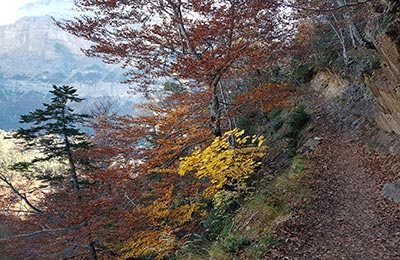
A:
{"x": 346, "y": 217}
{"x": 373, "y": 94}
{"x": 386, "y": 84}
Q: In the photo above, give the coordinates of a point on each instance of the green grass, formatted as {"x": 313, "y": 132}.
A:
{"x": 245, "y": 234}
{"x": 271, "y": 207}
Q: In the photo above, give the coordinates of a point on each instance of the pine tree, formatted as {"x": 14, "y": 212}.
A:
{"x": 54, "y": 131}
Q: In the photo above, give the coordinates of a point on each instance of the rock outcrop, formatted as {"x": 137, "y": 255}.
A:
{"x": 375, "y": 96}
{"x": 385, "y": 85}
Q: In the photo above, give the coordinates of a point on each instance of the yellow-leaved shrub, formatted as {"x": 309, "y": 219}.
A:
{"x": 222, "y": 164}
{"x": 172, "y": 213}
{"x": 164, "y": 220}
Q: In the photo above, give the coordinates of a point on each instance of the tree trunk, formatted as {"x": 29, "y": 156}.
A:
{"x": 231, "y": 120}
{"x": 354, "y": 32}
{"x": 92, "y": 249}
{"x": 340, "y": 36}
{"x": 72, "y": 168}
{"x": 215, "y": 112}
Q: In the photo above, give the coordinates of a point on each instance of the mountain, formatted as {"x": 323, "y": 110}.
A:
{"x": 35, "y": 54}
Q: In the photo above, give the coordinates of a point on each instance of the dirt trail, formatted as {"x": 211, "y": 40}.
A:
{"x": 346, "y": 217}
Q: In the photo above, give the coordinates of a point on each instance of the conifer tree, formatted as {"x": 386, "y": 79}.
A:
{"x": 54, "y": 131}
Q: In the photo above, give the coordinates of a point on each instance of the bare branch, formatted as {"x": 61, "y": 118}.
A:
{"x": 33, "y": 233}
{"x": 17, "y": 211}
{"x": 19, "y": 194}
{"x": 326, "y": 10}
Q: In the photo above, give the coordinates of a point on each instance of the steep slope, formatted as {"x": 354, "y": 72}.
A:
{"x": 347, "y": 217}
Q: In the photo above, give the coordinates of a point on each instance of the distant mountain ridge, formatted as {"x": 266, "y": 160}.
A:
{"x": 35, "y": 54}
{"x": 37, "y": 41}
{"x": 28, "y": 32}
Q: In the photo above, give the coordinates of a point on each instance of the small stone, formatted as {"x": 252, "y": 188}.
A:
{"x": 392, "y": 191}
{"x": 310, "y": 145}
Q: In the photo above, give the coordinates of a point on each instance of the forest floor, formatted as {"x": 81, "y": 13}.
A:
{"x": 346, "y": 216}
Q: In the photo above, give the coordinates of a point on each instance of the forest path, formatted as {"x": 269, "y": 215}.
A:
{"x": 346, "y": 216}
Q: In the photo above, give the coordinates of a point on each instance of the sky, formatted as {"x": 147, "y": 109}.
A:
{"x": 12, "y": 10}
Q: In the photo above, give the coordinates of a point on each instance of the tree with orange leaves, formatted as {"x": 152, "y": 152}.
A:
{"x": 141, "y": 200}
{"x": 200, "y": 42}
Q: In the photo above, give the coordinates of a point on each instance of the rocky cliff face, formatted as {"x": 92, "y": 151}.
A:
{"x": 375, "y": 95}
{"x": 34, "y": 44}
{"x": 35, "y": 50}
{"x": 385, "y": 85}
{"x": 37, "y": 35}
{"x": 35, "y": 54}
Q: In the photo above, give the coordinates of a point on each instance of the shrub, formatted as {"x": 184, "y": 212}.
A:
{"x": 296, "y": 120}
{"x": 223, "y": 165}
{"x": 234, "y": 244}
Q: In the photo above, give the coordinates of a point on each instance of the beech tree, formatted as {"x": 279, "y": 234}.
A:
{"x": 168, "y": 192}
{"x": 200, "y": 42}
{"x": 149, "y": 193}
{"x": 198, "y": 45}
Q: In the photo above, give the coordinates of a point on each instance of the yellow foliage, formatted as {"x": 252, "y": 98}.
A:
{"x": 223, "y": 164}
{"x": 169, "y": 213}
{"x": 165, "y": 219}
{"x": 150, "y": 242}
{"x": 163, "y": 209}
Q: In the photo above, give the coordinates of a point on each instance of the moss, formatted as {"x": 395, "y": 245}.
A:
{"x": 296, "y": 120}
{"x": 275, "y": 113}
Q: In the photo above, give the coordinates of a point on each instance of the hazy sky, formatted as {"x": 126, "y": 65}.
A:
{"x": 12, "y": 10}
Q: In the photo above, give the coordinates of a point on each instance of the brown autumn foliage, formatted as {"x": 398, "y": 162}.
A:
{"x": 167, "y": 207}
{"x": 265, "y": 97}
{"x": 201, "y": 42}
{"x": 133, "y": 201}
{"x": 133, "y": 193}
